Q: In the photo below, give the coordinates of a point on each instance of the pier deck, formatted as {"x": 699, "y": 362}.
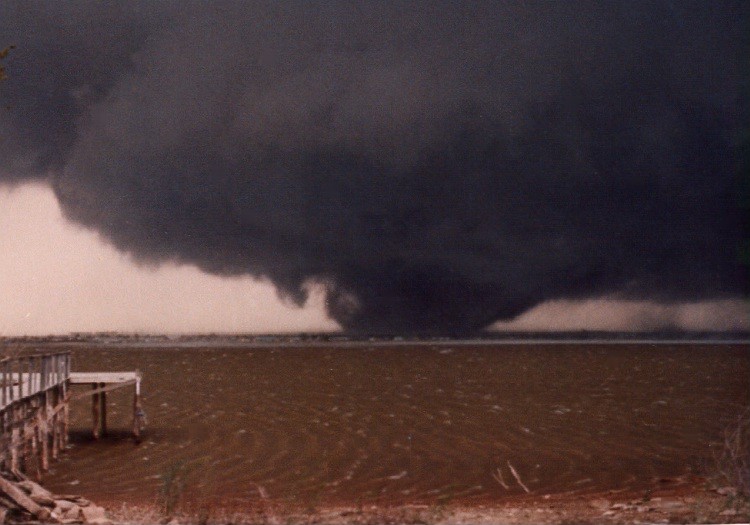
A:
{"x": 110, "y": 378}
{"x": 35, "y": 394}
{"x": 101, "y": 383}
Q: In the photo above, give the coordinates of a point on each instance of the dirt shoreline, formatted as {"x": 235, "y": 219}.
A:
{"x": 690, "y": 503}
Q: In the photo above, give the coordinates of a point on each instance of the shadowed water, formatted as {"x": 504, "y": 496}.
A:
{"x": 429, "y": 423}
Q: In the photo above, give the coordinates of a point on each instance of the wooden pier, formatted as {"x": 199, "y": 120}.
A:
{"x": 34, "y": 411}
{"x": 101, "y": 383}
{"x": 35, "y": 396}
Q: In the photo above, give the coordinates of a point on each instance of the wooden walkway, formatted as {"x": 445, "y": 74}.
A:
{"x": 33, "y": 411}
{"x": 26, "y": 376}
{"x": 114, "y": 379}
{"x": 35, "y": 395}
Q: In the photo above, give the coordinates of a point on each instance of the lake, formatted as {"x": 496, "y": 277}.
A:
{"x": 403, "y": 423}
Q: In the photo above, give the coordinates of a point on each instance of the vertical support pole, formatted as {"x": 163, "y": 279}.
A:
{"x": 43, "y": 373}
{"x": 53, "y": 421}
{"x": 30, "y": 376}
{"x": 25, "y": 441}
{"x": 18, "y": 380}
{"x": 14, "y": 441}
{"x": 34, "y": 377}
{"x": 3, "y": 396}
{"x": 44, "y": 430}
{"x": 20, "y": 437}
{"x": 103, "y": 410}
{"x": 25, "y": 377}
{"x": 137, "y": 411}
{"x": 32, "y": 420}
{"x": 95, "y": 414}
{"x": 66, "y": 407}
{"x": 4, "y": 440}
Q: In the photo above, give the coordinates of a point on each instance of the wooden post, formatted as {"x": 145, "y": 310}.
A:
{"x": 25, "y": 436}
{"x": 59, "y": 430}
{"x": 3, "y": 396}
{"x": 18, "y": 380}
{"x": 32, "y": 422}
{"x": 137, "y": 411}
{"x": 4, "y": 462}
{"x": 53, "y": 422}
{"x": 95, "y": 414}
{"x": 66, "y": 418}
{"x": 103, "y": 410}
{"x": 44, "y": 430}
{"x": 14, "y": 441}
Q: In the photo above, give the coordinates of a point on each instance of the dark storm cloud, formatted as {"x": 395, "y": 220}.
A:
{"x": 436, "y": 166}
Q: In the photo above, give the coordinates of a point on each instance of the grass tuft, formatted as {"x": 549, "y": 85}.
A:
{"x": 732, "y": 461}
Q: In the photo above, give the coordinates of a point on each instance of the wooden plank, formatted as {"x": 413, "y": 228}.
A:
{"x": 79, "y": 378}
{"x": 100, "y": 390}
{"x": 22, "y": 500}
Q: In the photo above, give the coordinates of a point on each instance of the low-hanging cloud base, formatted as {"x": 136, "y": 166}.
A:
{"x": 434, "y": 167}
{"x": 58, "y": 279}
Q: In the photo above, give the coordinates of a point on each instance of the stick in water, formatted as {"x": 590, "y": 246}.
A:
{"x": 518, "y": 478}
{"x": 498, "y": 475}
{"x": 261, "y": 491}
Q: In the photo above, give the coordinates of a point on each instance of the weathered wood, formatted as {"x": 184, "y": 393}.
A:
{"x": 54, "y": 426}
{"x": 60, "y": 435}
{"x": 5, "y": 380}
{"x": 95, "y": 414}
{"x": 15, "y": 438}
{"x": 30, "y": 386}
{"x": 103, "y": 411}
{"x": 3, "y": 442}
{"x": 32, "y": 438}
{"x": 82, "y": 378}
{"x": 35, "y": 408}
{"x": 65, "y": 418}
{"x": 137, "y": 411}
{"x": 42, "y": 418}
{"x": 113, "y": 386}
{"x": 136, "y": 419}
{"x": 26, "y": 439}
{"x": 22, "y": 500}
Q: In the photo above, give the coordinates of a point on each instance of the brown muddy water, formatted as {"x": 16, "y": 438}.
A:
{"x": 406, "y": 423}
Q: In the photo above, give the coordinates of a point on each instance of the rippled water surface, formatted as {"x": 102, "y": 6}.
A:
{"x": 403, "y": 423}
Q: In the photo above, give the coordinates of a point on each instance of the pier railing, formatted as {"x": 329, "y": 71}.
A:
{"x": 34, "y": 411}
{"x": 26, "y": 376}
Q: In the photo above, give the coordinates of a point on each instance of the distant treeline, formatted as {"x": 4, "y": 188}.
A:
{"x": 338, "y": 337}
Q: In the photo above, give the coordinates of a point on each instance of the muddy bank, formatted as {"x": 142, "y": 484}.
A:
{"x": 691, "y": 503}
{"x": 24, "y": 501}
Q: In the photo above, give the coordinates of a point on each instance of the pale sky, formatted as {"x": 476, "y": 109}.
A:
{"x": 57, "y": 278}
